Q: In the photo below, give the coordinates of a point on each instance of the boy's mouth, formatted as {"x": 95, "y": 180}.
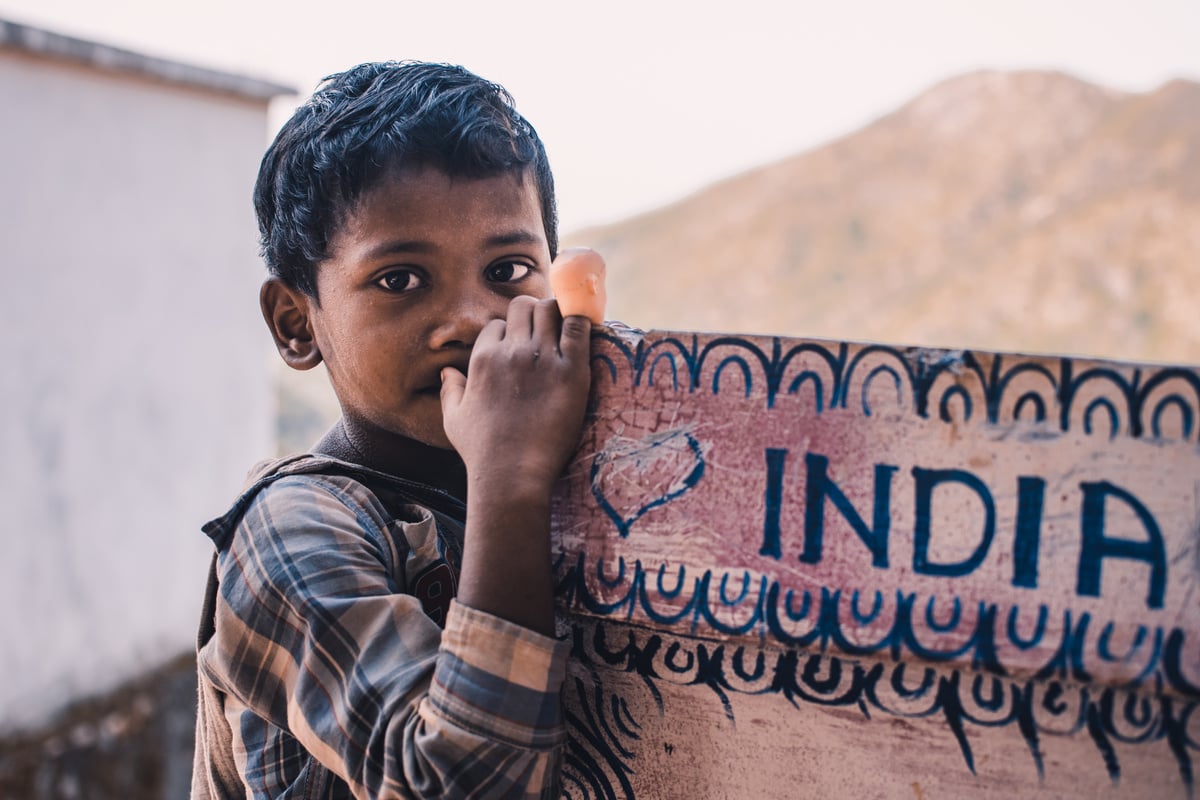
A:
{"x": 434, "y": 386}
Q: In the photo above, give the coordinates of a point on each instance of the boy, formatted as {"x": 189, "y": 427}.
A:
{"x": 365, "y": 634}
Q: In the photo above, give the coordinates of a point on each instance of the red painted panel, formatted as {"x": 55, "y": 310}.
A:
{"x": 871, "y": 570}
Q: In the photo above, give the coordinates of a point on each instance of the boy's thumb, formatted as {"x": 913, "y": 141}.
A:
{"x": 453, "y": 383}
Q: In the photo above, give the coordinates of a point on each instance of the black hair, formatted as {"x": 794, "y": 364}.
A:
{"x": 373, "y": 118}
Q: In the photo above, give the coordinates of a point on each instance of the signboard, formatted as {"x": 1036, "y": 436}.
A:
{"x": 798, "y": 568}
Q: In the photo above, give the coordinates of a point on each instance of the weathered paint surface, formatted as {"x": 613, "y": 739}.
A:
{"x": 802, "y": 568}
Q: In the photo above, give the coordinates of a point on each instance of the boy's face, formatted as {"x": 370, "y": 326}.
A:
{"x": 417, "y": 269}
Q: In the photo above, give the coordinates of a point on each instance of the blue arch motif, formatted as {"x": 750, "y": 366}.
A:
{"x": 1131, "y": 399}
{"x": 912, "y": 627}
{"x": 816, "y": 663}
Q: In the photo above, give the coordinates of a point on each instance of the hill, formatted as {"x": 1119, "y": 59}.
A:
{"x": 1022, "y": 211}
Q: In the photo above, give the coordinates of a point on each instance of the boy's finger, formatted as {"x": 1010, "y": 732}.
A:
{"x": 453, "y": 384}
{"x": 575, "y": 340}
{"x": 547, "y": 323}
{"x": 520, "y": 318}
{"x": 491, "y": 333}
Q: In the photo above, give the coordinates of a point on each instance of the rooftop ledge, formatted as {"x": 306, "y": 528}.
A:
{"x": 40, "y": 42}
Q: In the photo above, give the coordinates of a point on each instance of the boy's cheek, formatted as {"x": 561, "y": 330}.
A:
{"x": 539, "y": 289}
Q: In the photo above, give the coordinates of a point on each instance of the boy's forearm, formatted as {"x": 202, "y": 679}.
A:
{"x": 506, "y": 568}
{"x": 515, "y": 423}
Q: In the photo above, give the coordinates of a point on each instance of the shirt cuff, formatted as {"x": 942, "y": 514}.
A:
{"x": 500, "y": 680}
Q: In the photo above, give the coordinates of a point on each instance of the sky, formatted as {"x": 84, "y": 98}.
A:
{"x": 641, "y": 103}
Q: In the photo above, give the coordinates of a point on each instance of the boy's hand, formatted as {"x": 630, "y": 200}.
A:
{"x": 517, "y": 418}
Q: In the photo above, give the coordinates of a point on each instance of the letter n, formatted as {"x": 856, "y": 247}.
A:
{"x": 818, "y": 486}
{"x": 1096, "y": 546}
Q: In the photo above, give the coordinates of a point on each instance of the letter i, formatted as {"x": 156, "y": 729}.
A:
{"x": 1031, "y": 493}
{"x": 776, "y": 459}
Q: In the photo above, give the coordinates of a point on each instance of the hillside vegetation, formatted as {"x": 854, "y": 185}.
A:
{"x": 1025, "y": 211}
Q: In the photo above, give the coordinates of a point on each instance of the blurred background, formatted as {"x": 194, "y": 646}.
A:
{"x": 1015, "y": 176}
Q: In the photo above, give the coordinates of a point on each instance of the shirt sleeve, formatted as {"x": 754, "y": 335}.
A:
{"x": 316, "y": 636}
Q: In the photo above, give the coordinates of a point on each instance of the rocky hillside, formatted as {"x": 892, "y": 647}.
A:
{"x": 1025, "y": 211}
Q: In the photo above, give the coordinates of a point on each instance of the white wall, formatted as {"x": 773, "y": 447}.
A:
{"x": 134, "y": 389}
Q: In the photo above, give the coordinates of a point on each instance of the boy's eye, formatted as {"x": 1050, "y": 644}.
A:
{"x": 507, "y": 271}
{"x": 400, "y": 280}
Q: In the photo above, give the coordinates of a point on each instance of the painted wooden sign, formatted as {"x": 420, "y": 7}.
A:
{"x": 800, "y": 568}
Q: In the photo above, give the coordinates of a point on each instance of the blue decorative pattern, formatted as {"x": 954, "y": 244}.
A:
{"x": 705, "y": 603}
{"x": 601, "y": 751}
{"x": 1099, "y": 398}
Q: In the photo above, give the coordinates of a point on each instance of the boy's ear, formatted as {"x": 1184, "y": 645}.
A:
{"x": 286, "y": 311}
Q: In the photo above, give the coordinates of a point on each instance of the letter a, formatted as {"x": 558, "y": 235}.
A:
{"x": 1097, "y": 546}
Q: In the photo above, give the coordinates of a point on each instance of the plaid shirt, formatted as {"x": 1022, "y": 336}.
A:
{"x": 324, "y": 668}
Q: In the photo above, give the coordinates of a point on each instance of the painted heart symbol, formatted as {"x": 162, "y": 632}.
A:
{"x": 631, "y": 477}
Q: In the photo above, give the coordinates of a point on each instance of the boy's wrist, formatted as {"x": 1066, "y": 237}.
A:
{"x": 493, "y": 488}
{"x": 506, "y": 568}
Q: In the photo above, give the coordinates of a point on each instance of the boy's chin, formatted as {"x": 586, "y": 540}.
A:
{"x": 434, "y": 437}
{"x": 429, "y": 436}
{"x": 441, "y": 442}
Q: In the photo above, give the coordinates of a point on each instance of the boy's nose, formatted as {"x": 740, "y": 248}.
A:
{"x": 460, "y": 323}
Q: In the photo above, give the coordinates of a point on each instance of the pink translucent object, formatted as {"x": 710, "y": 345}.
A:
{"x": 577, "y": 280}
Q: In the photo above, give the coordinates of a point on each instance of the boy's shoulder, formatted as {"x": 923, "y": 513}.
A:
{"x": 327, "y": 474}
{"x": 295, "y": 513}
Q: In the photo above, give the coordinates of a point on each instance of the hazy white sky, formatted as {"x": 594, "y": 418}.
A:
{"x": 641, "y": 102}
